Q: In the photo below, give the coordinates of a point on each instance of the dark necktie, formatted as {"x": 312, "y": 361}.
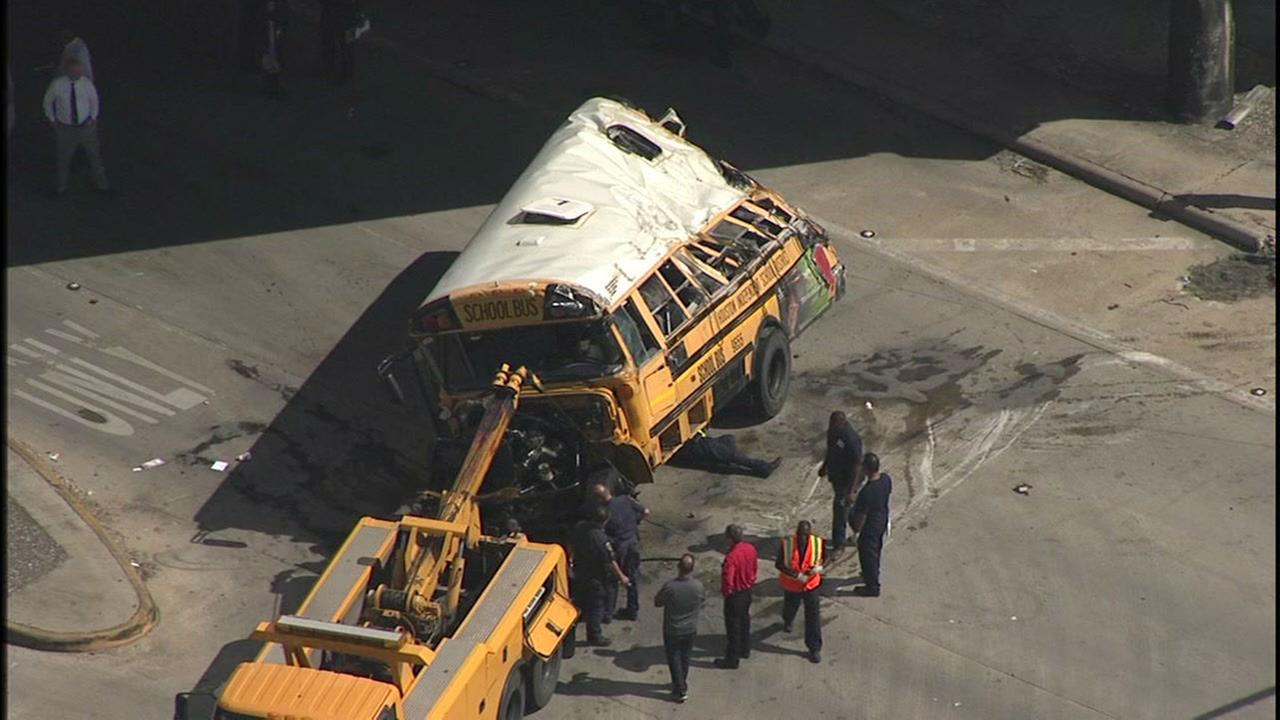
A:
{"x": 75, "y": 112}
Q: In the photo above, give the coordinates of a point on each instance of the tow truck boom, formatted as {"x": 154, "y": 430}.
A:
{"x": 417, "y": 619}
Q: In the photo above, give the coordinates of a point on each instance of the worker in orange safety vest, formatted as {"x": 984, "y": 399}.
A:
{"x": 800, "y": 575}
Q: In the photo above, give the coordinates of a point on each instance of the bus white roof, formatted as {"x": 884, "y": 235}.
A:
{"x": 623, "y": 212}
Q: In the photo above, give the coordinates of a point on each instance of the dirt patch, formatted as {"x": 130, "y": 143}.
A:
{"x": 1010, "y": 161}
{"x": 1237, "y": 277}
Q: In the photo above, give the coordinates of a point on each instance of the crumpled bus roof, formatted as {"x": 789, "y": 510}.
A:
{"x": 640, "y": 209}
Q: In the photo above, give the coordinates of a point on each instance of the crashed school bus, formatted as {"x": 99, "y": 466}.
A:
{"x": 421, "y": 619}
{"x": 645, "y": 282}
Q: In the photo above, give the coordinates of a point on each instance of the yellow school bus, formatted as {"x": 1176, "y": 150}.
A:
{"x": 646, "y": 283}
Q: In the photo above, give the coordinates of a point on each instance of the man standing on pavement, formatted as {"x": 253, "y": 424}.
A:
{"x": 800, "y": 574}
{"x": 737, "y": 577}
{"x": 871, "y": 522}
{"x": 623, "y": 529}
{"x": 841, "y": 467}
{"x": 71, "y": 106}
{"x": 593, "y": 561}
{"x": 681, "y": 602}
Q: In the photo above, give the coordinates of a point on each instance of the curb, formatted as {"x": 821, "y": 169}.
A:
{"x": 144, "y": 618}
{"x": 1236, "y": 234}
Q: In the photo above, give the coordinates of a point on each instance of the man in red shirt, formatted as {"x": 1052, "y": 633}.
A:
{"x": 737, "y": 577}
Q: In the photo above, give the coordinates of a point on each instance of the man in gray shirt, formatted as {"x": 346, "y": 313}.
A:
{"x": 681, "y": 602}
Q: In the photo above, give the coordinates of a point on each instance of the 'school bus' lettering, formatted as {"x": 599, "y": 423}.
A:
{"x": 486, "y": 312}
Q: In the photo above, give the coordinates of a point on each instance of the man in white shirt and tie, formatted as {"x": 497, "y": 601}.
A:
{"x": 71, "y": 106}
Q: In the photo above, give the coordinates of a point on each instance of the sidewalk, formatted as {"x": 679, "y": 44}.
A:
{"x": 68, "y": 591}
{"x": 1168, "y": 166}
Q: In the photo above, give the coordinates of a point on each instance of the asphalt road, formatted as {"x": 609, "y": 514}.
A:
{"x": 256, "y": 283}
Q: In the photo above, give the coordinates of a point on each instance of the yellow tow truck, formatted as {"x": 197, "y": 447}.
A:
{"x": 425, "y": 618}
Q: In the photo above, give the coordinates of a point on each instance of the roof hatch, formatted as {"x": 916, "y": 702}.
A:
{"x": 554, "y": 211}
{"x": 630, "y": 140}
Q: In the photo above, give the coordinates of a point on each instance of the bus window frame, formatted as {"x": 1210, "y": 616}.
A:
{"x": 663, "y": 333}
{"x": 691, "y": 265}
{"x": 630, "y": 308}
{"x": 690, "y": 281}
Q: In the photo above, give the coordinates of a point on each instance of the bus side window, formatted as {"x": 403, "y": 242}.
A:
{"x": 706, "y": 276}
{"x": 662, "y": 304}
{"x": 759, "y": 222}
{"x": 691, "y": 296}
{"x": 635, "y": 333}
{"x": 724, "y": 256}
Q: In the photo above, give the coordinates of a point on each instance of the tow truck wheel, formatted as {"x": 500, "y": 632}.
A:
{"x": 542, "y": 676}
{"x": 512, "y": 705}
{"x": 772, "y": 372}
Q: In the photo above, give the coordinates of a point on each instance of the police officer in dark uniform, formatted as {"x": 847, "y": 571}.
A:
{"x": 841, "y": 466}
{"x": 623, "y": 529}
{"x": 593, "y": 561}
{"x": 721, "y": 454}
{"x": 871, "y": 522}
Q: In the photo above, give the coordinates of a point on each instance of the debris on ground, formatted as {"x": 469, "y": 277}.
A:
{"x": 1022, "y": 489}
{"x": 869, "y": 406}
{"x": 1113, "y": 306}
{"x": 244, "y": 457}
{"x": 152, "y": 463}
{"x": 219, "y": 465}
{"x": 73, "y": 286}
{"x": 1235, "y": 277}
{"x": 1258, "y": 392}
{"x": 53, "y": 456}
{"x": 868, "y": 233}
{"x": 1010, "y": 161}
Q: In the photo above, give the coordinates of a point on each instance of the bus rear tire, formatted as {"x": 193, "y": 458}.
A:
{"x": 772, "y": 372}
{"x": 541, "y": 678}
{"x": 512, "y": 705}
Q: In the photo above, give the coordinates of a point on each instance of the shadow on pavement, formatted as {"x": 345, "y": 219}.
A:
{"x": 584, "y": 684}
{"x": 338, "y": 449}
{"x": 199, "y": 153}
{"x": 642, "y": 658}
{"x": 1243, "y": 702}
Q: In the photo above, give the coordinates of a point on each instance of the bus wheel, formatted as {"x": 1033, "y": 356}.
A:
{"x": 772, "y": 372}
{"x": 512, "y": 705}
{"x": 542, "y": 676}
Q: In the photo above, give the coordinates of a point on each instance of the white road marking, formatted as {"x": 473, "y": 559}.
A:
{"x": 112, "y": 425}
{"x": 181, "y": 398}
{"x": 69, "y": 384}
{"x": 83, "y": 382}
{"x": 65, "y": 336}
{"x": 90, "y": 389}
{"x": 1044, "y": 244}
{"x": 126, "y": 354}
{"x": 81, "y": 329}
{"x": 47, "y": 348}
